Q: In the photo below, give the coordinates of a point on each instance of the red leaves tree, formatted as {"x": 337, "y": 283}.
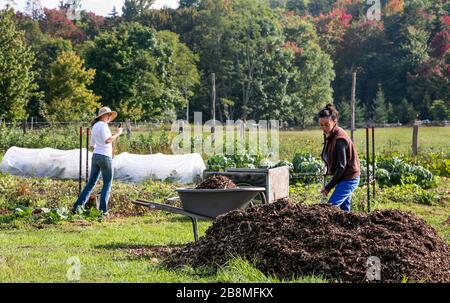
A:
{"x": 56, "y": 24}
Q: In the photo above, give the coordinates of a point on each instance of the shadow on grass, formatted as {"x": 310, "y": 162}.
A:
{"x": 137, "y": 251}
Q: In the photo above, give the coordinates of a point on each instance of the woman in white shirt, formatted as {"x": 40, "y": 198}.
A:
{"x": 101, "y": 140}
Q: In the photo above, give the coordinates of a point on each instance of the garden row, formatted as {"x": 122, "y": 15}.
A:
{"x": 390, "y": 171}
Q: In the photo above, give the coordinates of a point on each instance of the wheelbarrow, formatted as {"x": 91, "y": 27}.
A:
{"x": 208, "y": 203}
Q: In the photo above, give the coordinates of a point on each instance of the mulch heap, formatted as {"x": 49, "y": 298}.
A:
{"x": 288, "y": 240}
{"x": 217, "y": 182}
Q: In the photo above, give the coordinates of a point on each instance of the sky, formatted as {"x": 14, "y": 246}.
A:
{"x": 100, "y": 7}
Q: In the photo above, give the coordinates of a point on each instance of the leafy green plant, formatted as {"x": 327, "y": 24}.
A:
{"x": 401, "y": 172}
{"x": 55, "y": 215}
{"x": 382, "y": 176}
{"x": 23, "y": 211}
{"x": 219, "y": 163}
{"x": 306, "y": 164}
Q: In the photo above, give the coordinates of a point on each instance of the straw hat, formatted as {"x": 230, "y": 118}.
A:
{"x": 106, "y": 110}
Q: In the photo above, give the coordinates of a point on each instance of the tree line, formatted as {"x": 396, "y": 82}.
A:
{"x": 272, "y": 59}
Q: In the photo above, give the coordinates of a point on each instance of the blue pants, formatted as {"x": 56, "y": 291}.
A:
{"x": 100, "y": 164}
{"x": 342, "y": 195}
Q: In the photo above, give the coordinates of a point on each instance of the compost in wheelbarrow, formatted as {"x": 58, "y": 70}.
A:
{"x": 215, "y": 202}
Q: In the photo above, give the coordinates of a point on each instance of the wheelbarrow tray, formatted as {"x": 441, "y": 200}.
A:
{"x": 215, "y": 202}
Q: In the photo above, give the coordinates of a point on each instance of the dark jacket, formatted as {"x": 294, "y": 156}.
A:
{"x": 341, "y": 157}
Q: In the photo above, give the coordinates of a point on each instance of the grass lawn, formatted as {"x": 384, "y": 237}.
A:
{"x": 117, "y": 251}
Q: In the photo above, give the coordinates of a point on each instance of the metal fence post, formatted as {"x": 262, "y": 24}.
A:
{"x": 81, "y": 160}
{"x": 87, "y": 153}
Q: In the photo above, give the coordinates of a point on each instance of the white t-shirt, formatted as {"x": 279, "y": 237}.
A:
{"x": 100, "y": 133}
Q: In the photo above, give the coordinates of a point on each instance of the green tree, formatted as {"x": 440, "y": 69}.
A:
{"x": 188, "y": 3}
{"x": 242, "y": 42}
{"x": 310, "y": 86}
{"x": 316, "y": 7}
{"x": 136, "y": 70}
{"x": 298, "y": 6}
{"x": 391, "y": 113}
{"x": 133, "y": 10}
{"x": 345, "y": 113}
{"x": 183, "y": 69}
{"x": 16, "y": 75}
{"x": 380, "y": 114}
{"x": 440, "y": 110}
{"x": 361, "y": 113}
{"x": 69, "y": 98}
{"x": 406, "y": 112}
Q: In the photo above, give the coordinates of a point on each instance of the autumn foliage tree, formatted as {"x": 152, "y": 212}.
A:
{"x": 56, "y": 24}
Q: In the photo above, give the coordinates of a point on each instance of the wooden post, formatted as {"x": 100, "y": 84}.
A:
{"x": 213, "y": 105}
{"x": 187, "y": 106}
{"x": 24, "y": 126}
{"x": 415, "y": 141}
{"x": 213, "y": 96}
{"x": 373, "y": 161}
{"x": 128, "y": 128}
{"x": 367, "y": 169}
{"x": 353, "y": 105}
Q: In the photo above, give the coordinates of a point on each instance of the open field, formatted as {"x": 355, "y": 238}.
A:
{"x": 387, "y": 140}
{"x": 147, "y": 140}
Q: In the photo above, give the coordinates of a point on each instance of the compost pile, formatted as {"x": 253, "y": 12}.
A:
{"x": 216, "y": 182}
{"x": 286, "y": 240}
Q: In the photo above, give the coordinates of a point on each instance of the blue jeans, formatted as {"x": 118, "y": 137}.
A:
{"x": 100, "y": 164}
{"x": 342, "y": 195}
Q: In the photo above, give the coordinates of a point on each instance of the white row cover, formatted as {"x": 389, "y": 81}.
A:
{"x": 64, "y": 164}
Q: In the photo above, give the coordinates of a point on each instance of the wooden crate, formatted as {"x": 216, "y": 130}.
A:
{"x": 275, "y": 180}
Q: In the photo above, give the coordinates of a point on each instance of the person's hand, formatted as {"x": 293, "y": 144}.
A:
{"x": 324, "y": 191}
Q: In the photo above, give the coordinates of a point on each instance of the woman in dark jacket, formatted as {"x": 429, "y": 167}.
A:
{"x": 341, "y": 158}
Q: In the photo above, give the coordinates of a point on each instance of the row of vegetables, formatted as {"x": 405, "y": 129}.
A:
{"x": 306, "y": 168}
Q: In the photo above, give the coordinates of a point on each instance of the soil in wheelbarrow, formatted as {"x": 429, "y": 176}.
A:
{"x": 288, "y": 240}
{"x": 217, "y": 182}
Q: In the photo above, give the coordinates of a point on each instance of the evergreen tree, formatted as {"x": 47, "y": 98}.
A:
{"x": 345, "y": 113}
{"x": 440, "y": 110}
{"x": 380, "y": 108}
{"x": 391, "y": 117}
{"x": 133, "y": 10}
{"x": 406, "y": 112}
{"x": 188, "y": 3}
{"x": 114, "y": 13}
